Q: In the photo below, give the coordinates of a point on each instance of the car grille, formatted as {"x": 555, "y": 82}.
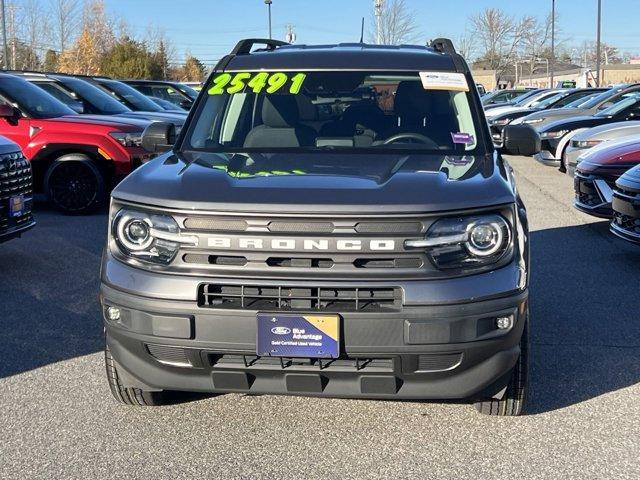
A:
{"x": 15, "y": 179}
{"x": 586, "y": 192}
{"x": 302, "y": 298}
{"x": 625, "y": 222}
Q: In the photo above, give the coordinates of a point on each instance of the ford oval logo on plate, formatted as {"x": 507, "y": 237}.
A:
{"x": 281, "y": 330}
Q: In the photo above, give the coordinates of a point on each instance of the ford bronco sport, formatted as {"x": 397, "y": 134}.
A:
{"x": 332, "y": 221}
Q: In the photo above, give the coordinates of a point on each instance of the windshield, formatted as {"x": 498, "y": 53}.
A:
{"x": 551, "y": 100}
{"x": 523, "y": 98}
{"x": 598, "y": 99}
{"x": 535, "y": 100}
{"x": 101, "y": 101}
{"x": 350, "y": 110}
{"x": 187, "y": 90}
{"x": 31, "y": 99}
{"x": 129, "y": 96}
{"x": 580, "y": 102}
{"x": 619, "y": 104}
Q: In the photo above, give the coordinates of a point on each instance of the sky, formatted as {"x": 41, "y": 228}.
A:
{"x": 209, "y": 28}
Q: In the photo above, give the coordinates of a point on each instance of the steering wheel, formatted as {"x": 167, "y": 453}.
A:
{"x": 410, "y": 136}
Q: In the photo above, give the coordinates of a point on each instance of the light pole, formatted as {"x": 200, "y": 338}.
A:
{"x": 377, "y": 10}
{"x": 553, "y": 41}
{"x": 598, "y": 46}
{"x": 4, "y": 35}
{"x": 268, "y": 3}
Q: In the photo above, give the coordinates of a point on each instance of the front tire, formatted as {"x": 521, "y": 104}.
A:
{"x": 75, "y": 185}
{"x": 514, "y": 399}
{"x": 128, "y": 395}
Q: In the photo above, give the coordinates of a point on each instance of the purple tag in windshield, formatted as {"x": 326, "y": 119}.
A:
{"x": 463, "y": 138}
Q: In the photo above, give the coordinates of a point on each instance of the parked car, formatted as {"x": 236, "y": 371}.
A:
{"x": 256, "y": 211}
{"x": 481, "y": 89}
{"x": 503, "y": 96}
{"x": 603, "y": 101}
{"x": 179, "y": 94}
{"x": 167, "y": 105}
{"x": 129, "y": 96}
{"x": 16, "y": 190}
{"x": 526, "y": 102}
{"x": 75, "y": 92}
{"x": 626, "y": 206}
{"x": 559, "y": 100}
{"x": 75, "y": 158}
{"x": 556, "y": 136}
{"x": 597, "y": 172}
{"x": 586, "y": 139}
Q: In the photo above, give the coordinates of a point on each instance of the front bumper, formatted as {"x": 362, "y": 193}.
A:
{"x": 626, "y": 214}
{"x": 436, "y": 350}
{"x": 12, "y": 228}
{"x": 547, "y": 155}
{"x": 593, "y": 195}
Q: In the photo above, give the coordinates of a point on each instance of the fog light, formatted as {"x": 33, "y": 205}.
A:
{"x": 113, "y": 314}
{"x": 503, "y": 323}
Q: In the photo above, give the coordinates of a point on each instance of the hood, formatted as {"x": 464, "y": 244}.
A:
{"x": 573, "y": 123}
{"x": 99, "y": 120}
{"x": 154, "y": 117}
{"x": 494, "y": 112}
{"x": 176, "y": 118}
{"x": 318, "y": 183}
{"x": 553, "y": 114}
{"x": 623, "y": 152}
{"x": 630, "y": 180}
{"x": 610, "y": 131}
{"x": 7, "y": 146}
{"x": 513, "y": 112}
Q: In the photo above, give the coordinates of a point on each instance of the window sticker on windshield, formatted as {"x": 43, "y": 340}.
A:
{"x": 463, "y": 138}
{"x": 268, "y": 82}
{"x": 444, "y": 81}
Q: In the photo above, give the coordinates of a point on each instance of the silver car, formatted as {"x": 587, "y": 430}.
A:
{"x": 591, "y": 137}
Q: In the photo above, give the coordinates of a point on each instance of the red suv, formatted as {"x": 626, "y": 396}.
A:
{"x": 75, "y": 159}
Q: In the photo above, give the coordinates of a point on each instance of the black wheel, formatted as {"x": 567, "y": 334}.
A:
{"x": 74, "y": 185}
{"x": 127, "y": 395}
{"x": 513, "y": 401}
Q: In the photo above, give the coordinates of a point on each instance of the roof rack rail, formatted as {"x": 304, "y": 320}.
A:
{"x": 243, "y": 47}
{"x": 443, "y": 45}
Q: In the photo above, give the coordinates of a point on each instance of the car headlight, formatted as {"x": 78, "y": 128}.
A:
{"x": 500, "y": 122}
{"x": 128, "y": 139}
{"x": 466, "y": 242}
{"x": 553, "y": 134}
{"x": 585, "y": 143}
{"x": 148, "y": 237}
{"x": 533, "y": 121}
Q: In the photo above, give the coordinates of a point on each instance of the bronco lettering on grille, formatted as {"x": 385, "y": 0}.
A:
{"x": 292, "y": 244}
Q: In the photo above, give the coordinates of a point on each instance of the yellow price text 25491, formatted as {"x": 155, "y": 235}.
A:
{"x": 267, "y": 82}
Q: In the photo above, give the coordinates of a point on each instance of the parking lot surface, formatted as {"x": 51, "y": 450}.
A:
{"x": 58, "y": 420}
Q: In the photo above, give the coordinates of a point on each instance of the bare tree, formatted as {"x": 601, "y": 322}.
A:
{"x": 397, "y": 24}
{"x": 499, "y": 36}
{"x": 33, "y": 31}
{"x": 66, "y": 20}
{"x": 96, "y": 21}
{"x": 466, "y": 46}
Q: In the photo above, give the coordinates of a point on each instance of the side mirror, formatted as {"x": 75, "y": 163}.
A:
{"x": 159, "y": 137}
{"x": 77, "y": 106}
{"x": 521, "y": 140}
{"x": 7, "y": 111}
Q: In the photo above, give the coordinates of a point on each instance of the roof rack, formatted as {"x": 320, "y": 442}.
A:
{"x": 243, "y": 47}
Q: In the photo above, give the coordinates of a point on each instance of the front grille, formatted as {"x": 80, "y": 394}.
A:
{"x": 175, "y": 356}
{"x": 438, "y": 362}
{"x": 625, "y": 222}
{"x": 288, "y": 298}
{"x": 586, "y": 192}
{"x": 15, "y": 179}
{"x": 252, "y": 362}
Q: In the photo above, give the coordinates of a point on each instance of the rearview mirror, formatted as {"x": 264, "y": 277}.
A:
{"x": 521, "y": 140}
{"x": 77, "y": 106}
{"x": 186, "y": 104}
{"x": 159, "y": 137}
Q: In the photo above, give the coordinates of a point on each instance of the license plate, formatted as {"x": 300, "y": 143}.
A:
{"x": 16, "y": 206}
{"x": 298, "y": 335}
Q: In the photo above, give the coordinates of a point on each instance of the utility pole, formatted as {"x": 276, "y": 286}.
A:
{"x": 377, "y": 10}
{"x": 5, "y": 51}
{"x": 553, "y": 41}
{"x": 268, "y": 3}
{"x": 598, "y": 45}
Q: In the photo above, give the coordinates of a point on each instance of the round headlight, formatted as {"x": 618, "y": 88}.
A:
{"x": 134, "y": 232}
{"x": 485, "y": 239}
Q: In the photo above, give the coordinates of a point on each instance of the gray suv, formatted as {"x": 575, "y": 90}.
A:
{"x": 332, "y": 221}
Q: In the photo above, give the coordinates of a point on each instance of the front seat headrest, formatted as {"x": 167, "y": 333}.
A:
{"x": 280, "y": 111}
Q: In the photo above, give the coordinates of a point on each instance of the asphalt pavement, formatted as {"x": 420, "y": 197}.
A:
{"x": 58, "y": 420}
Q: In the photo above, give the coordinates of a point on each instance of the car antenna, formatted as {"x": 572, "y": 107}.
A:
{"x": 362, "y": 31}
